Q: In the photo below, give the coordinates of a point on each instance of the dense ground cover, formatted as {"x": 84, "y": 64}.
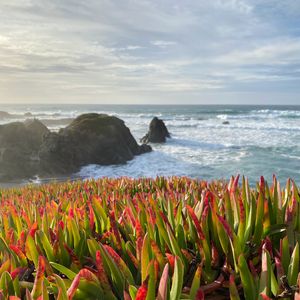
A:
{"x": 174, "y": 238}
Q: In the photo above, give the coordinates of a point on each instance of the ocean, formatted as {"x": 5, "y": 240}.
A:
{"x": 259, "y": 140}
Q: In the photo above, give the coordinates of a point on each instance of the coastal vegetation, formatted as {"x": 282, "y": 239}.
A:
{"x": 164, "y": 238}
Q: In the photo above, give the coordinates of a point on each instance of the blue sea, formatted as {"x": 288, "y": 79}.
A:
{"x": 259, "y": 140}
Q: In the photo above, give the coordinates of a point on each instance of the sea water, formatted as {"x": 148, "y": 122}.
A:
{"x": 259, "y": 140}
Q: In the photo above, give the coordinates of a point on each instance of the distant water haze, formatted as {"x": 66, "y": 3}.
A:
{"x": 255, "y": 141}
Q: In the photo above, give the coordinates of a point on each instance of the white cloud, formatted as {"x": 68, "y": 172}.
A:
{"x": 277, "y": 52}
{"x": 237, "y": 5}
{"x": 163, "y": 44}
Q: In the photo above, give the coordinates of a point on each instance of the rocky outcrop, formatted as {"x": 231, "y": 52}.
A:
{"x": 29, "y": 148}
{"x": 19, "y": 147}
{"x": 157, "y": 133}
{"x": 89, "y": 139}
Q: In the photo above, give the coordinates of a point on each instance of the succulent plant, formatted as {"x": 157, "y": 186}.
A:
{"x": 164, "y": 238}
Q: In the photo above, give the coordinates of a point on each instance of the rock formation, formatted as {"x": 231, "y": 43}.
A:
{"x": 19, "y": 147}
{"x": 29, "y": 148}
{"x": 89, "y": 139}
{"x": 157, "y": 133}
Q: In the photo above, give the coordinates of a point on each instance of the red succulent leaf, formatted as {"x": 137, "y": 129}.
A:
{"x": 234, "y": 184}
{"x": 16, "y": 272}
{"x": 126, "y": 296}
{"x": 139, "y": 238}
{"x": 61, "y": 225}
{"x": 226, "y": 226}
{"x": 39, "y": 279}
{"x": 91, "y": 217}
{"x": 115, "y": 229}
{"x": 265, "y": 297}
{"x": 133, "y": 258}
{"x": 253, "y": 270}
{"x": 83, "y": 273}
{"x": 22, "y": 240}
{"x": 18, "y": 251}
{"x": 33, "y": 229}
{"x": 196, "y": 222}
{"x": 142, "y": 291}
{"x": 268, "y": 246}
{"x": 100, "y": 268}
{"x": 242, "y": 210}
{"x": 262, "y": 186}
{"x": 279, "y": 267}
{"x": 171, "y": 260}
{"x": 71, "y": 213}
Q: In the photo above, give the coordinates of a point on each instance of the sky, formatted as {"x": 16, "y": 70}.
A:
{"x": 156, "y": 51}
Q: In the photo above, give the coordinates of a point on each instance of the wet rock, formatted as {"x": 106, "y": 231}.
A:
{"x": 19, "y": 146}
{"x": 89, "y": 139}
{"x": 29, "y": 148}
{"x": 157, "y": 133}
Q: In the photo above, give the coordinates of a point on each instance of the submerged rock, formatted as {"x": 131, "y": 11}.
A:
{"x": 89, "y": 139}
{"x": 225, "y": 123}
{"x": 157, "y": 133}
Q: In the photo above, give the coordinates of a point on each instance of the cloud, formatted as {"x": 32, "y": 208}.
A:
{"x": 277, "y": 52}
{"x": 163, "y": 44}
{"x": 70, "y": 50}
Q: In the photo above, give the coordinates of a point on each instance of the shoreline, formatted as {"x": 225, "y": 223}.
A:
{"x": 38, "y": 181}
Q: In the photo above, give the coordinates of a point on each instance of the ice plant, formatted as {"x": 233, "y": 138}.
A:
{"x": 164, "y": 238}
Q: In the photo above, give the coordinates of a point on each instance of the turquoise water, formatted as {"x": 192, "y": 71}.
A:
{"x": 259, "y": 140}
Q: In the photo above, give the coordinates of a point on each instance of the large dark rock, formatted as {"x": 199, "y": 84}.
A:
{"x": 157, "y": 133}
{"x": 19, "y": 146}
{"x": 89, "y": 139}
{"x": 29, "y": 148}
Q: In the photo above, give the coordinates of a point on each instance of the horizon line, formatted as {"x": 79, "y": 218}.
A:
{"x": 147, "y": 104}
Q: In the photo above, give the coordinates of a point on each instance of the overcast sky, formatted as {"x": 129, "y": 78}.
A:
{"x": 138, "y": 51}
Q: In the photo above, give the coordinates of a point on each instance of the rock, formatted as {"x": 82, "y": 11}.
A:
{"x": 37, "y": 130}
{"x": 144, "y": 148}
{"x": 225, "y": 122}
{"x": 89, "y": 139}
{"x": 4, "y": 115}
{"x": 29, "y": 148}
{"x": 157, "y": 133}
{"x": 19, "y": 146}
{"x": 28, "y": 114}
